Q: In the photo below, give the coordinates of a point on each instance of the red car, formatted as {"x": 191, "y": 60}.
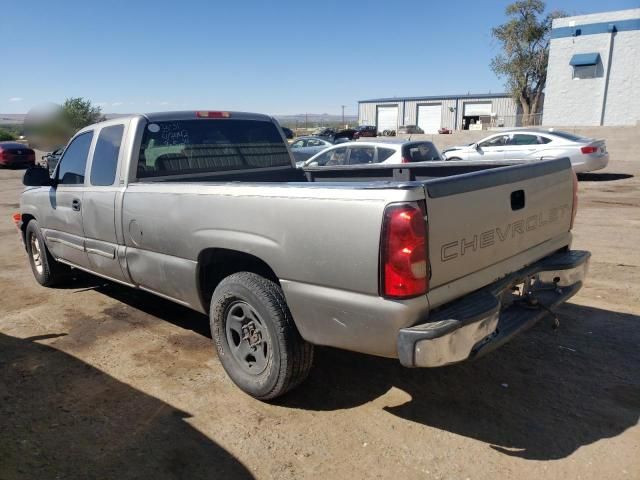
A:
{"x": 365, "y": 131}
{"x": 14, "y": 154}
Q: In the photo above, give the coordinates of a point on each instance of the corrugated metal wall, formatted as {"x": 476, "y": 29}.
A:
{"x": 367, "y": 112}
{"x": 505, "y": 109}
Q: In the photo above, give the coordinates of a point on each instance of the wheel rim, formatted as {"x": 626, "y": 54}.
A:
{"x": 248, "y": 337}
{"x": 36, "y": 254}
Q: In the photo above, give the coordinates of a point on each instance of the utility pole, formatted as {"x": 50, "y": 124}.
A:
{"x": 343, "y": 107}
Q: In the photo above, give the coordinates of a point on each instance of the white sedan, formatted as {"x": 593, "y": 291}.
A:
{"x": 362, "y": 153}
{"x": 586, "y": 154}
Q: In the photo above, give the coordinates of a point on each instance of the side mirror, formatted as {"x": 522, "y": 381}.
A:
{"x": 475, "y": 146}
{"x": 37, "y": 177}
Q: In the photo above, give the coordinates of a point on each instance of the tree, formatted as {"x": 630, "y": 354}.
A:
{"x": 525, "y": 53}
{"x": 6, "y": 135}
{"x": 77, "y": 113}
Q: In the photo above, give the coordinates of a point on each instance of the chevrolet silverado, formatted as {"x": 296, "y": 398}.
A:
{"x": 431, "y": 264}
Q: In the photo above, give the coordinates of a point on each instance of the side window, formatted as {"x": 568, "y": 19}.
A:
{"x": 333, "y": 157}
{"x": 522, "y": 139}
{"x": 422, "y": 152}
{"x": 384, "y": 153}
{"x": 542, "y": 139}
{"x": 361, "y": 155}
{"x": 74, "y": 160}
{"x": 105, "y": 155}
{"x": 494, "y": 142}
{"x": 298, "y": 144}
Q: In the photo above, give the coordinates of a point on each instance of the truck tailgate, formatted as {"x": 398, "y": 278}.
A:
{"x": 480, "y": 219}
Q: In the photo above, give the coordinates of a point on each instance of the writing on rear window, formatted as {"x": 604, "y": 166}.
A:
{"x": 201, "y": 146}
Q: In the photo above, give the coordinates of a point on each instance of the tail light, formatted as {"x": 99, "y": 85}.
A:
{"x": 589, "y": 149}
{"x": 574, "y": 207}
{"x": 403, "y": 254}
{"x": 406, "y": 160}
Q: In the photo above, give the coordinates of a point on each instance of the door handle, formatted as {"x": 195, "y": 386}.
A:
{"x": 75, "y": 204}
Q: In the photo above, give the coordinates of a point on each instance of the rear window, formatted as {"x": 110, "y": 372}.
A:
{"x": 197, "y": 146}
{"x": 421, "y": 152}
{"x": 568, "y": 136}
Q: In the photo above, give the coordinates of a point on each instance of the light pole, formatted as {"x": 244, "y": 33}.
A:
{"x": 343, "y": 107}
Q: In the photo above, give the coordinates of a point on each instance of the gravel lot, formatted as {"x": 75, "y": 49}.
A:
{"x": 99, "y": 381}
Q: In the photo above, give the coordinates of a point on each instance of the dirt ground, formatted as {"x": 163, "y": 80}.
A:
{"x": 99, "y": 381}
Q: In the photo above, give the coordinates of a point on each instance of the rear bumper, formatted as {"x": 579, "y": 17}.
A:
{"x": 486, "y": 319}
{"x": 590, "y": 163}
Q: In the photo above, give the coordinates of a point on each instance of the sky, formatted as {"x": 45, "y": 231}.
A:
{"x": 285, "y": 57}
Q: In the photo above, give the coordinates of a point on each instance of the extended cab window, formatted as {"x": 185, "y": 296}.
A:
{"x": 105, "y": 155}
{"x": 196, "y": 146}
{"x": 74, "y": 160}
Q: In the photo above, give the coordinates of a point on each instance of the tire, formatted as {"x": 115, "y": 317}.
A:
{"x": 454, "y": 159}
{"x": 256, "y": 338}
{"x": 46, "y": 270}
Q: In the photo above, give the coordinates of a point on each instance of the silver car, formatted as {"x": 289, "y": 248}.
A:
{"x": 586, "y": 154}
{"x": 304, "y": 148}
{"x": 362, "y": 153}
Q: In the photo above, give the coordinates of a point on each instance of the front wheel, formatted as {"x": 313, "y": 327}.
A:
{"x": 257, "y": 341}
{"x": 46, "y": 270}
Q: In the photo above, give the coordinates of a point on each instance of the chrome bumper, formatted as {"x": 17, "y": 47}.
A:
{"x": 488, "y": 318}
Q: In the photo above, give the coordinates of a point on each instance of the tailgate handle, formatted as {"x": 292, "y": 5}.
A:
{"x": 517, "y": 200}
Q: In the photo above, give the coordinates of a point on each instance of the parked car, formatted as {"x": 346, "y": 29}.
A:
{"x": 218, "y": 220}
{"x": 304, "y": 148}
{"x": 288, "y": 133}
{"x": 324, "y": 132}
{"x": 444, "y": 131}
{"x": 586, "y": 154}
{"x": 391, "y": 152}
{"x": 51, "y": 159}
{"x": 333, "y": 135}
{"x": 409, "y": 129}
{"x": 15, "y": 154}
{"x": 365, "y": 131}
{"x": 347, "y": 133}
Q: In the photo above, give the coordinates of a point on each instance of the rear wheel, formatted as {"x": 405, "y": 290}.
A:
{"x": 257, "y": 341}
{"x": 46, "y": 270}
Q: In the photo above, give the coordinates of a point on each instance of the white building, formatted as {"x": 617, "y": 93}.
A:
{"x": 456, "y": 112}
{"x": 593, "y": 76}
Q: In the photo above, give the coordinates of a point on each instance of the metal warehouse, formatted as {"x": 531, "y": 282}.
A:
{"x": 456, "y": 112}
{"x": 593, "y": 76}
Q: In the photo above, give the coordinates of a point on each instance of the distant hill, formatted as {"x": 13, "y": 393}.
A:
{"x": 300, "y": 120}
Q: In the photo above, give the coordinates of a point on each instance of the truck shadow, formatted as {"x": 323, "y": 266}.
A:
{"x": 62, "y": 418}
{"x": 540, "y": 397}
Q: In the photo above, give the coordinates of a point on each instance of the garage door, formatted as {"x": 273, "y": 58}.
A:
{"x": 477, "y": 109}
{"x": 387, "y": 118}
{"x": 429, "y": 117}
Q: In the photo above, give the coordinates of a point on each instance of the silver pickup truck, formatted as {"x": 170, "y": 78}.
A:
{"x": 429, "y": 263}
